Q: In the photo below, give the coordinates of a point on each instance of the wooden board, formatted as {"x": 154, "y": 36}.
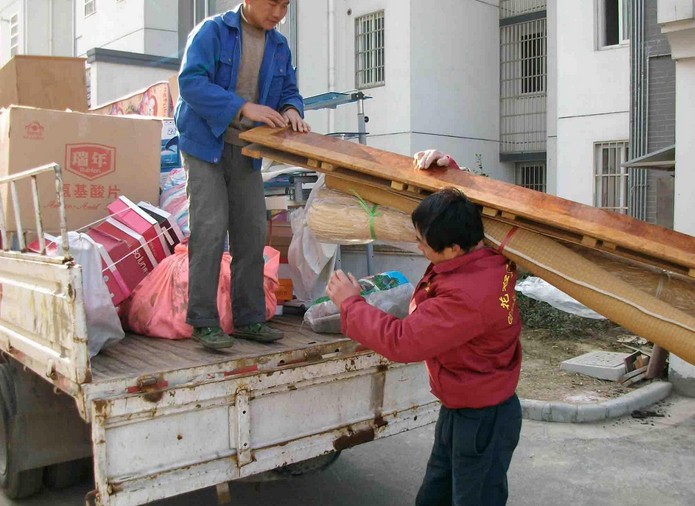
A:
{"x": 547, "y": 214}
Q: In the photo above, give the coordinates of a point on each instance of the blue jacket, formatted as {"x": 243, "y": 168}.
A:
{"x": 207, "y": 83}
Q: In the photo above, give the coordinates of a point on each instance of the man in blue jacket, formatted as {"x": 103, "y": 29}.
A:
{"x": 236, "y": 73}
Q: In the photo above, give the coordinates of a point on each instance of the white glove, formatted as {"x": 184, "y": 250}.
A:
{"x": 423, "y": 159}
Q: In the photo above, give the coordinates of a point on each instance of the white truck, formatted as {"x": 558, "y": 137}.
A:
{"x": 157, "y": 417}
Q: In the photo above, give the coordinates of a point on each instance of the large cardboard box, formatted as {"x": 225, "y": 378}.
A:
{"x": 48, "y": 82}
{"x": 102, "y": 157}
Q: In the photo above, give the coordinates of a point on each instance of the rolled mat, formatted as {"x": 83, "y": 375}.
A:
{"x": 652, "y": 303}
{"x": 595, "y": 287}
{"x": 339, "y": 218}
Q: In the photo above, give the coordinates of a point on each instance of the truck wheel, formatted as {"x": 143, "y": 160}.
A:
{"x": 67, "y": 474}
{"x": 16, "y": 484}
{"x": 308, "y": 466}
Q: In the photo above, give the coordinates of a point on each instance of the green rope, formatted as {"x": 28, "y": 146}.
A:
{"x": 372, "y": 213}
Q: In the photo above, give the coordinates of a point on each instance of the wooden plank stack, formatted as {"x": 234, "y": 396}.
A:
{"x": 639, "y": 275}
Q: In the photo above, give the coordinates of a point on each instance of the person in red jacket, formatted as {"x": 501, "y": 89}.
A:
{"x": 464, "y": 323}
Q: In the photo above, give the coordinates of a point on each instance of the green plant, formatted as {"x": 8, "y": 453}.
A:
{"x": 541, "y": 315}
{"x": 479, "y": 165}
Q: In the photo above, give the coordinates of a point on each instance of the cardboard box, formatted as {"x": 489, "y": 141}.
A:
{"x": 284, "y": 291}
{"x": 279, "y": 236}
{"x": 155, "y": 100}
{"x": 49, "y": 82}
{"x": 102, "y": 157}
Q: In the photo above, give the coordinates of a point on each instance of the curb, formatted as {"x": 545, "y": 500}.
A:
{"x": 565, "y": 412}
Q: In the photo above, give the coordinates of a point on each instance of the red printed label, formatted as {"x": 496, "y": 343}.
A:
{"x": 90, "y": 161}
{"x": 34, "y": 131}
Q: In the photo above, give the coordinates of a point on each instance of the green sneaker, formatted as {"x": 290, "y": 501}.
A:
{"x": 258, "y": 332}
{"x": 212, "y": 337}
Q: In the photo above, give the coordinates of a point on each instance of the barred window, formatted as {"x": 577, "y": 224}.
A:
{"x": 531, "y": 175}
{"x": 14, "y": 34}
{"x": 369, "y": 50}
{"x": 611, "y": 179}
{"x": 90, "y": 7}
{"x": 533, "y": 62}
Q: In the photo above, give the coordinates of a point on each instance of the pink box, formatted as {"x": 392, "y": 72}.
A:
{"x": 116, "y": 284}
{"x": 167, "y": 223}
{"x": 138, "y": 247}
{"x": 125, "y": 211}
{"x": 122, "y": 255}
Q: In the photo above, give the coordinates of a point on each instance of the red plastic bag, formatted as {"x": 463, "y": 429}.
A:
{"x": 157, "y": 307}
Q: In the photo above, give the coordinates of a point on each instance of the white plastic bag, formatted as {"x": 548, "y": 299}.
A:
{"x": 389, "y": 291}
{"x": 310, "y": 261}
{"x": 539, "y": 289}
{"x": 103, "y": 325}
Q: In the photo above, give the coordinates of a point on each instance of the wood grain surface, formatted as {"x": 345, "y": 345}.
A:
{"x": 544, "y": 213}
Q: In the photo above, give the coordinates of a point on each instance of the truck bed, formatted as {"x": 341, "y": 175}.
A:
{"x": 138, "y": 364}
{"x": 137, "y": 355}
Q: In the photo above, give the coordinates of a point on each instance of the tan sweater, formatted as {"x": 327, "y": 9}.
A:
{"x": 252, "y": 49}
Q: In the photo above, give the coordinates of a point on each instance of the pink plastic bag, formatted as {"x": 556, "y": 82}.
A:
{"x": 157, "y": 306}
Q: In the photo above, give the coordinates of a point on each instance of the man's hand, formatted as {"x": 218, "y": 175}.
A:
{"x": 263, "y": 114}
{"x": 342, "y": 286}
{"x": 423, "y": 159}
{"x": 295, "y": 120}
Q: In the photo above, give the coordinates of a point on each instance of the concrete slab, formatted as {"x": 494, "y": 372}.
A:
{"x": 607, "y": 365}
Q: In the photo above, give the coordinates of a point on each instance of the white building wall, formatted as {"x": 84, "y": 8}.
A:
{"x": 389, "y": 108}
{"x": 455, "y": 97}
{"x": 441, "y": 79}
{"x": 45, "y": 30}
{"x": 551, "y": 99}
{"x": 136, "y": 26}
{"x": 112, "y": 81}
{"x": 7, "y": 10}
{"x": 677, "y": 19}
{"x": 593, "y": 97}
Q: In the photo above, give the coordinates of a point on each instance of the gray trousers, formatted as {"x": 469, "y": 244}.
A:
{"x": 225, "y": 198}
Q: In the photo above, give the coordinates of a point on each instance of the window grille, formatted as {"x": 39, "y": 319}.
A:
{"x": 531, "y": 175}
{"x": 614, "y": 22}
{"x": 14, "y": 34}
{"x": 617, "y": 188}
{"x": 369, "y": 50}
{"x": 90, "y": 7}
{"x": 511, "y": 8}
{"x": 523, "y": 73}
{"x": 611, "y": 178}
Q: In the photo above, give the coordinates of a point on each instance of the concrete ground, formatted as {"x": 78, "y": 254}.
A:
{"x": 622, "y": 461}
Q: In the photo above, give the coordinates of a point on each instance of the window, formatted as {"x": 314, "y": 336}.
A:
{"x": 614, "y": 22}
{"x": 611, "y": 178}
{"x": 369, "y": 50}
{"x": 530, "y": 175}
{"x": 90, "y": 7}
{"x": 532, "y": 48}
{"x": 14, "y": 34}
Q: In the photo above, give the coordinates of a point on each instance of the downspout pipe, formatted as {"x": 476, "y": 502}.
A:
{"x": 331, "y": 60}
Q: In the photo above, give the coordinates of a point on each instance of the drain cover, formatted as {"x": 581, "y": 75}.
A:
{"x": 607, "y": 365}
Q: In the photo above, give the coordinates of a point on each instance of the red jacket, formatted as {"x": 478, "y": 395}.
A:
{"x": 463, "y": 322}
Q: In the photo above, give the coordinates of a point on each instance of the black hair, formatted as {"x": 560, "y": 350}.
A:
{"x": 446, "y": 218}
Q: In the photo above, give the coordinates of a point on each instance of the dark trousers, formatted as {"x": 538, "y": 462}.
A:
{"x": 225, "y": 198}
{"x": 471, "y": 454}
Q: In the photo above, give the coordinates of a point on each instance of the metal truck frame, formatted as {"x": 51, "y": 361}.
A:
{"x": 162, "y": 417}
